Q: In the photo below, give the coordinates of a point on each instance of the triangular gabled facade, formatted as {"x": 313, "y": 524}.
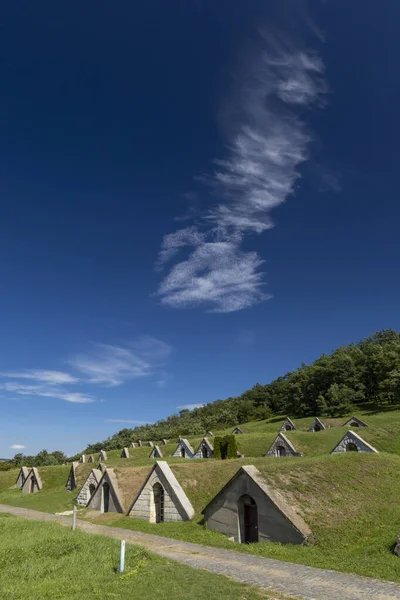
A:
{"x": 288, "y": 425}
{"x": 91, "y": 459}
{"x": 125, "y": 453}
{"x": 89, "y": 487}
{"x": 150, "y": 444}
{"x": 161, "y": 498}
{"x": 352, "y": 442}
{"x": 102, "y": 467}
{"x": 184, "y": 449}
{"x": 107, "y": 496}
{"x": 22, "y": 475}
{"x": 102, "y": 456}
{"x": 237, "y": 430}
{"x": 156, "y": 453}
{"x": 32, "y": 483}
{"x": 163, "y": 442}
{"x": 354, "y": 422}
{"x": 82, "y": 458}
{"x": 208, "y": 434}
{"x": 316, "y": 425}
{"x": 133, "y": 445}
{"x": 282, "y": 446}
{"x": 249, "y": 510}
{"x": 205, "y": 449}
{"x": 71, "y": 481}
{"x": 140, "y": 443}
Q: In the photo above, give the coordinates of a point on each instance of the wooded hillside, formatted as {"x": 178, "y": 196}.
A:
{"x": 364, "y": 373}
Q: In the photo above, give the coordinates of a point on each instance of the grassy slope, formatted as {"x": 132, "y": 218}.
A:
{"x": 44, "y": 561}
{"x": 350, "y": 501}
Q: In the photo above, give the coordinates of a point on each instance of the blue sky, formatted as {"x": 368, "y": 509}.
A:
{"x": 195, "y": 197}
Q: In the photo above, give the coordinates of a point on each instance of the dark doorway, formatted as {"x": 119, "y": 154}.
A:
{"x": 280, "y": 451}
{"x": 158, "y": 492}
{"x": 92, "y": 489}
{"x": 288, "y": 428}
{"x": 248, "y": 516}
{"x": 183, "y": 453}
{"x": 354, "y": 424}
{"x": 204, "y": 451}
{"x": 351, "y": 447}
{"x": 106, "y": 497}
{"x": 317, "y": 428}
{"x": 32, "y": 485}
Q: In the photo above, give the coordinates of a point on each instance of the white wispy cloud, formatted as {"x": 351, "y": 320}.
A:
{"x": 268, "y": 143}
{"x": 105, "y": 364}
{"x": 17, "y": 446}
{"x": 47, "y": 391}
{"x": 132, "y": 421}
{"x": 113, "y": 365}
{"x": 190, "y": 406}
{"x": 56, "y": 377}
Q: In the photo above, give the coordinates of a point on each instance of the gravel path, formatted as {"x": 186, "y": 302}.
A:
{"x": 288, "y": 578}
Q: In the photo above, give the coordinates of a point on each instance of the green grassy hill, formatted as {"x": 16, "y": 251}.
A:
{"x": 349, "y": 500}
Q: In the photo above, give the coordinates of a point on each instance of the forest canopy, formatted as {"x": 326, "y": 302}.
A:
{"x": 367, "y": 372}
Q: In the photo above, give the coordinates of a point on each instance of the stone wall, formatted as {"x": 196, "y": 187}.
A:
{"x": 351, "y": 438}
{"x": 144, "y": 507}
{"x": 84, "y": 494}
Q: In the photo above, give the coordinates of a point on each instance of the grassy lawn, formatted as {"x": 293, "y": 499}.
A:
{"x": 40, "y": 561}
{"x": 350, "y": 502}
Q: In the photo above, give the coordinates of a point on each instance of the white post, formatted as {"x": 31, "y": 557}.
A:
{"x": 122, "y": 557}
{"x": 74, "y": 519}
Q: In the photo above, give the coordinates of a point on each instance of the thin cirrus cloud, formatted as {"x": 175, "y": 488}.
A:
{"x": 113, "y": 365}
{"x": 105, "y": 365}
{"x": 190, "y": 406}
{"x": 17, "y": 446}
{"x": 268, "y": 143}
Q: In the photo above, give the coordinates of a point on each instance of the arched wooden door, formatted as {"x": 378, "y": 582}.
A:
{"x": 158, "y": 492}
{"x": 106, "y": 497}
{"x": 248, "y": 519}
{"x": 32, "y": 485}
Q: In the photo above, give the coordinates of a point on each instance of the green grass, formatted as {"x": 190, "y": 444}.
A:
{"x": 350, "y": 502}
{"x": 45, "y": 561}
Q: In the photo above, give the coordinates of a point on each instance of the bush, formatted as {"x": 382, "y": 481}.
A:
{"x": 218, "y": 441}
{"x": 230, "y": 446}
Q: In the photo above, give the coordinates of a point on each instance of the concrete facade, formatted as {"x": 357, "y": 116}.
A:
{"x": 184, "y": 449}
{"x": 91, "y": 459}
{"x": 288, "y": 425}
{"x": 22, "y": 476}
{"x": 237, "y": 430}
{"x": 89, "y": 487}
{"x": 32, "y": 483}
{"x": 82, "y": 458}
{"x": 125, "y": 453}
{"x": 355, "y": 422}
{"x": 164, "y": 442}
{"x": 150, "y": 444}
{"x": 139, "y": 443}
{"x": 156, "y": 453}
{"x": 102, "y": 456}
{"x": 71, "y": 481}
{"x": 107, "y": 497}
{"x": 208, "y": 434}
{"x": 175, "y": 504}
{"x": 205, "y": 449}
{"x": 271, "y": 518}
{"x": 352, "y": 442}
{"x": 282, "y": 446}
{"x": 316, "y": 425}
{"x": 133, "y": 445}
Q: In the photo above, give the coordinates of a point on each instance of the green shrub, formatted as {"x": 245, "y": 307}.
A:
{"x": 217, "y": 447}
{"x": 230, "y": 446}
